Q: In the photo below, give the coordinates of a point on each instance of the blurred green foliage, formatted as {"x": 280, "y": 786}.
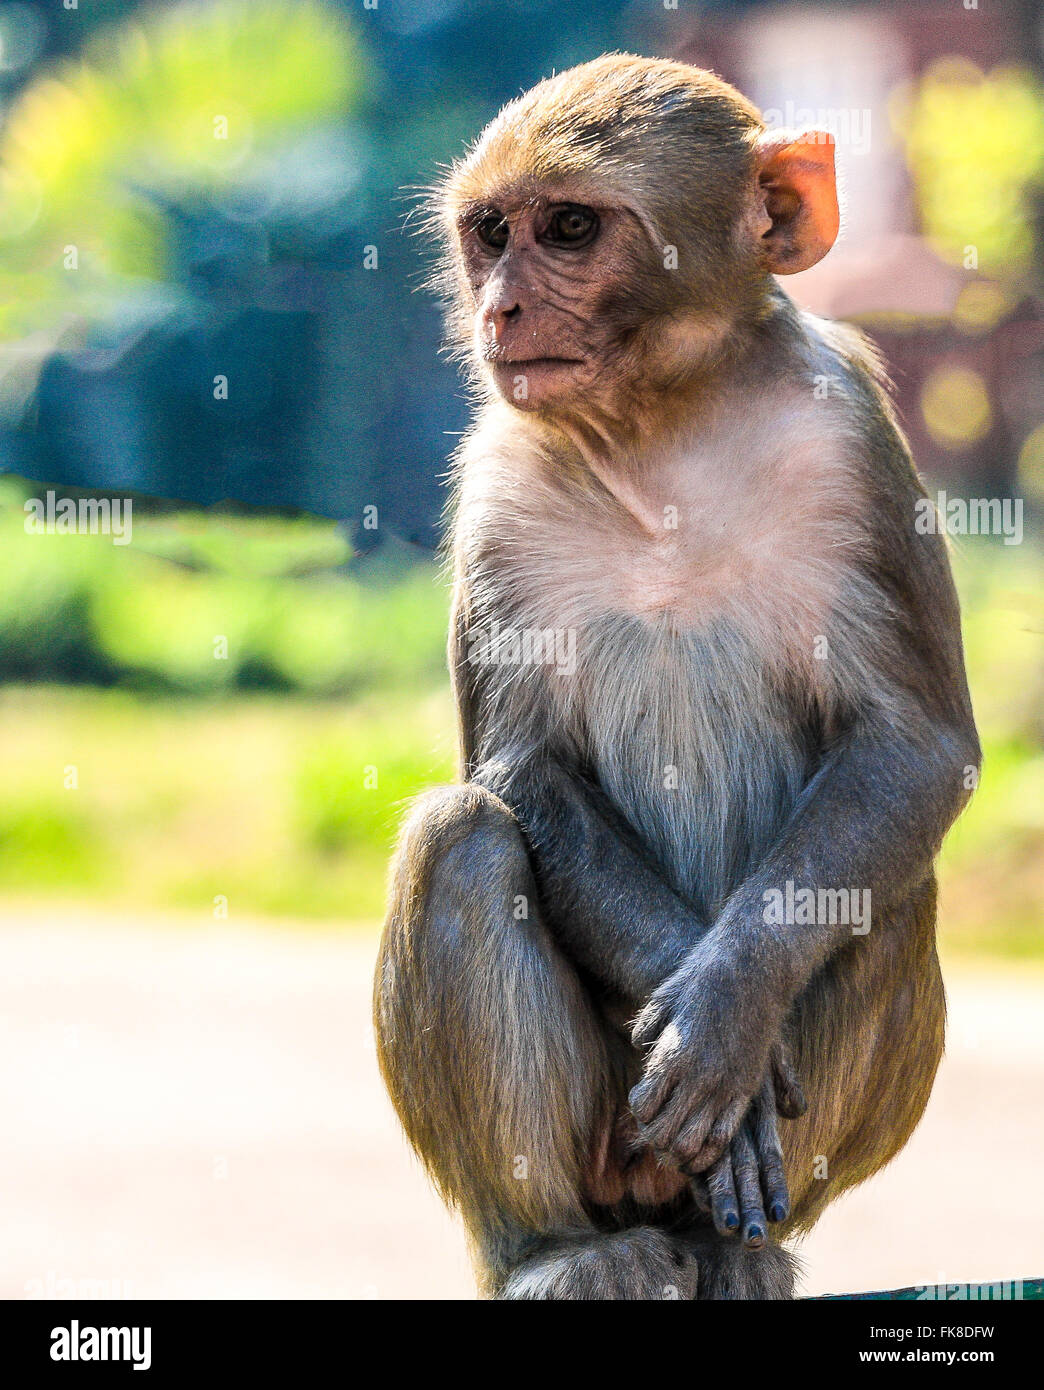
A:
{"x": 992, "y": 864}
{"x": 280, "y": 806}
{"x": 975, "y": 143}
{"x": 186, "y": 101}
{"x": 200, "y": 604}
{"x": 176, "y": 785}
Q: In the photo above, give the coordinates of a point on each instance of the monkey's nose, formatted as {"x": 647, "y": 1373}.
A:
{"x": 502, "y": 314}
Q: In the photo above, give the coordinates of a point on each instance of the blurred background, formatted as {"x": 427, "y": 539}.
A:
{"x": 211, "y": 301}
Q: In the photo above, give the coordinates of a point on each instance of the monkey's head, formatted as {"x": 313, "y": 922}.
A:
{"x": 612, "y": 227}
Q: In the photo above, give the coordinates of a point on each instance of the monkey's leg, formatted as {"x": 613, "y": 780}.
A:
{"x": 868, "y": 1035}
{"x": 497, "y": 1063}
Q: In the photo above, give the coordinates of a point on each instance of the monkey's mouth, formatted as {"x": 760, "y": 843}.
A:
{"x": 535, "y": 371}
{"x": 523, "y": 364}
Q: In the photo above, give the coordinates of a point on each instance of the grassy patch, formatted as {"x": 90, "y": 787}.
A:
{"x": 286, "y": 807}
{"x": 209, "y": 603}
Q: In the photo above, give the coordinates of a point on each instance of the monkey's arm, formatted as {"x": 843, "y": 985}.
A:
{"x": 607, "y": 905}
{"x": 872, "y": 818}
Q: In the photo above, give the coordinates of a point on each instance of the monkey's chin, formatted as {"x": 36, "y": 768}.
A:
{"x": 537, "y": 383}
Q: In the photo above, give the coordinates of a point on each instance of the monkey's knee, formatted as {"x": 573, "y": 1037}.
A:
{"x": 460, "y": 856}
{"x": 461, "y": 886}
{"x": 488, "y": 1044}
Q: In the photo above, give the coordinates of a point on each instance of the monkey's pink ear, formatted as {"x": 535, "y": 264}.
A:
{"x": 797, "y": 182}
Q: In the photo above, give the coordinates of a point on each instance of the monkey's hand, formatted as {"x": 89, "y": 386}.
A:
{"x": 709, "y": 1036}
{"x": 748, "y": 1180}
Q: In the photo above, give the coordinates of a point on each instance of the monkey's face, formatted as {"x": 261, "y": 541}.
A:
{"x": 613, "y": 227}
{"x": 592, "y": 255}
{"x": 545, "y": 273}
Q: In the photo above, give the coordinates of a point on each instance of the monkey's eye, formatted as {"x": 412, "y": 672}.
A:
{"x": 493, "y": 231}
{"x": 571, "y": 225}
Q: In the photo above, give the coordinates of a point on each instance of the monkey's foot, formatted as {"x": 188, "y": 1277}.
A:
{"x": 731, "y": 1270}
{"x": 639, "y": 1264}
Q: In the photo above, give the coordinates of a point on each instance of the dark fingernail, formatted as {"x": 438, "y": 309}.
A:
{"x": 778, "y": 1212}
{"x": 731, "y": 1220}
{"x": 755, "y": 1237}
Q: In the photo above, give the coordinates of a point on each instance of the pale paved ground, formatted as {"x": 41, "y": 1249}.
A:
{"x": 195, "y": 1111}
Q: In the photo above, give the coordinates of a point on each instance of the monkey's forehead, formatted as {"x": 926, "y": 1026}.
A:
{"x": 605, "y": 122}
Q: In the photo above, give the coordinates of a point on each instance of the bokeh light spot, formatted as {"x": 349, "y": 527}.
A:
{"x": 955, "y": 403}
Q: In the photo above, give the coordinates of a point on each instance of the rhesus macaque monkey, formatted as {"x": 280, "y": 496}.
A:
{"x": 705, "y": 665}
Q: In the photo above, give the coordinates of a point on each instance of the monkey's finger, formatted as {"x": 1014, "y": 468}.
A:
{"x": 690, "y": 1143}
{"x": 789, "y": 1096}
{"x": 664, "y": 1125}
{"x": 770, "y": 1160}
{"x": 706, "y": 1136}
{"x": 650, "y": 1023}
{"x": 722, "y": 1188}
{"x": 753, "y": 1223}
{"x": 649, "y": 1096}
{"x": 701, "y": 1197}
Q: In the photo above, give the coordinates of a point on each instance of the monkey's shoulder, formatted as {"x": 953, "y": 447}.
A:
{"x": 844, "y": 367}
